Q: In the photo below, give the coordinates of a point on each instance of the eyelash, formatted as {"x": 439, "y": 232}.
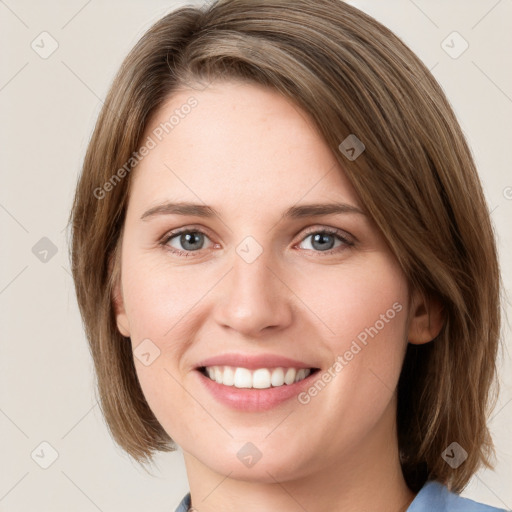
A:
{"x": 325, "y": 231}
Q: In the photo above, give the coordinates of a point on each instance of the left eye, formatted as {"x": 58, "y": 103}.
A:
{"x": 324, "y": 241}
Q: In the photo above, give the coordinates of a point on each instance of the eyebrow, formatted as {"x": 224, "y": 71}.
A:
{"x": 294, "y": 212}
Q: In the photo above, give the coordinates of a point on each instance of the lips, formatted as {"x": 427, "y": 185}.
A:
{"x": 254, "y": 361}
{"x": 253, "y": 399}
{"x": 257, "y": 393}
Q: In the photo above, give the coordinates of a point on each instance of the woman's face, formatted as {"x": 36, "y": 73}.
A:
{"x": 260, "y": 278}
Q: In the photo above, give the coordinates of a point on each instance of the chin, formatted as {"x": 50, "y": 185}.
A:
{"x": 268, "y": 469}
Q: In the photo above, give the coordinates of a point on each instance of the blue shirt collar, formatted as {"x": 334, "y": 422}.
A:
{"x": 433, "y": 496}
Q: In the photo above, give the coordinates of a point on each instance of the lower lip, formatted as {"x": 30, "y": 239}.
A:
{"x": 250, "y": 399}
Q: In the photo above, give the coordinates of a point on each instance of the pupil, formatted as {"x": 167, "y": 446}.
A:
{"x": 321, "y": 239}
{"x": 188, "y": 239}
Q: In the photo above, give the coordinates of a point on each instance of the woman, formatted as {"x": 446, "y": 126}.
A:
{"x": 285, "y": 264}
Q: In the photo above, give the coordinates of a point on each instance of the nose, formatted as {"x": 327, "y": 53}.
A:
{"x": 254, "y": 298}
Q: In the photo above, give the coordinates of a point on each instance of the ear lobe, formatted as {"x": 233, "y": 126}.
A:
{"x": 117, "y": 299}
{"x": 426, "y": 319}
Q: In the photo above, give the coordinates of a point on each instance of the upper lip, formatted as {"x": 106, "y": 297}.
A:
{"x": 252, "y": 361}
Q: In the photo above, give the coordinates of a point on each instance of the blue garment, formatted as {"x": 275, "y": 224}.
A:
{"x": 433, "y": 497}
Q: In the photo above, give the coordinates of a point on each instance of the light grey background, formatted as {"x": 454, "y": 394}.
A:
{"x": 48, "y": 109}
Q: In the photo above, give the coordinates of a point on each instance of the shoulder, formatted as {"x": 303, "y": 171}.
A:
{"x": 436, "y": 496}
{"x": 184, "y": 504}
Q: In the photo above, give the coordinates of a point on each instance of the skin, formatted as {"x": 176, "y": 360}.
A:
{"x": 237, "y": 151}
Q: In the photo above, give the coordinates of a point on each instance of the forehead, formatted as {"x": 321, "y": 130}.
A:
{"x": 236, "y": 144}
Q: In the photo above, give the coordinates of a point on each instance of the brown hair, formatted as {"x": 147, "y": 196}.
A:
{"x": 416, "y": 179}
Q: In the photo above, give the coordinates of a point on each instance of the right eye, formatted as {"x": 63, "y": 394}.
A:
{"x": 184, "y": 242}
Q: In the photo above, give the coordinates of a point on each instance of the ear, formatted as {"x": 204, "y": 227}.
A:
{"x": 123, "y": 324}
{"x": 426, "y": 319}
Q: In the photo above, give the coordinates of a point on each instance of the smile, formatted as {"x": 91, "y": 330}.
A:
{"x": 260, "y": 378}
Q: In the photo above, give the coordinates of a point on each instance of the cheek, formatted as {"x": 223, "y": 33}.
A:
{"x": 363, "y": 298}
{"x": 160, "y": 298}
{"x": 160, "y": 304}
{"x": 366, "y": 313}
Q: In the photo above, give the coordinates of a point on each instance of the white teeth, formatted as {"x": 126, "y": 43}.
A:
{"x": 243, "y": 378}
{"x": 277, "y": 378}
{"x": 228, "y": 379}
{"x": 289, "y": 377}
{"x": 262, "y": 378}
{"x": 300, "y": 375}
